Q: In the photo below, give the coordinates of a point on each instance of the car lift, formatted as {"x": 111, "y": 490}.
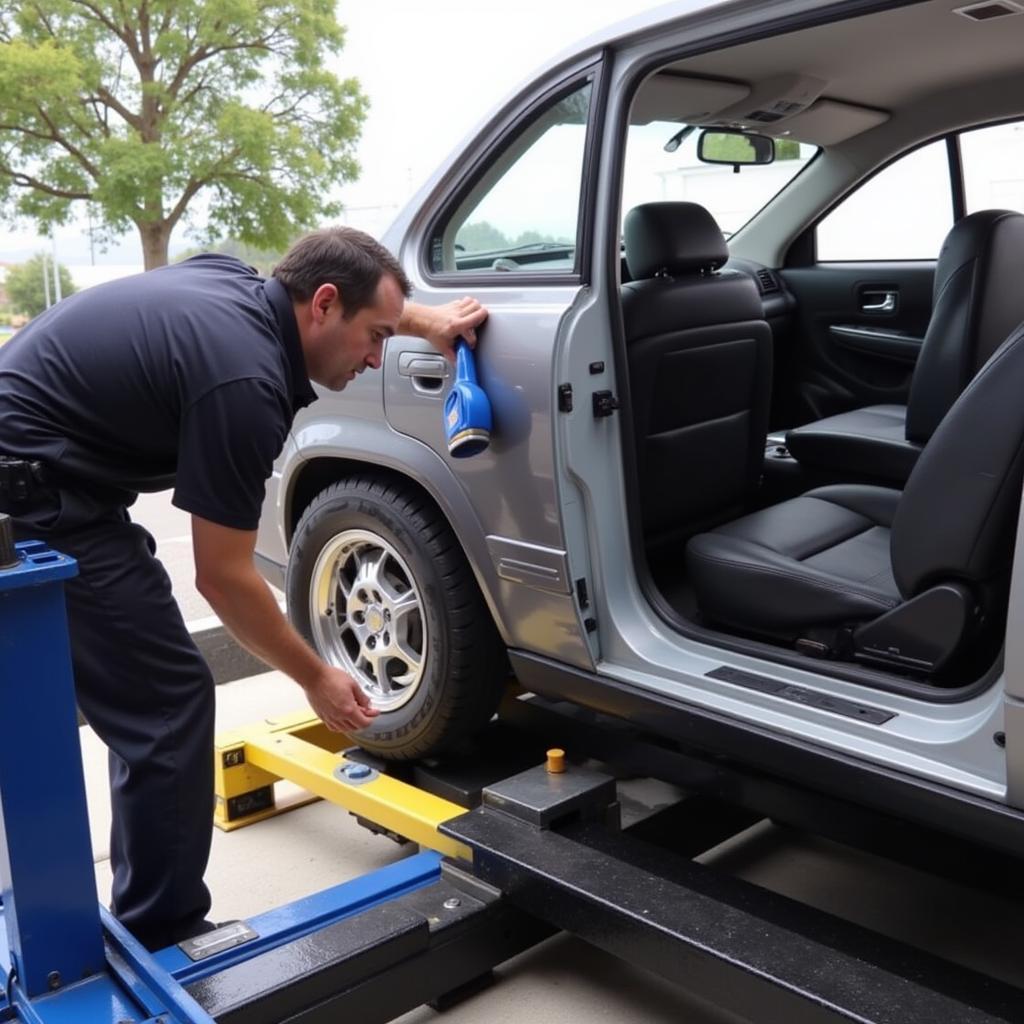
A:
{"x": 510, "y": 856}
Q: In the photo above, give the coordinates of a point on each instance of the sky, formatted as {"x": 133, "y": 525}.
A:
{"x": 432, "y": 69}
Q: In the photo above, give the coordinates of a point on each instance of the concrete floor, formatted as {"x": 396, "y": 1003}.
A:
{"x": 308, "y": 849}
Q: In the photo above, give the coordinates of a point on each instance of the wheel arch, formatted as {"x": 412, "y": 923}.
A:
{"x": 316, "y": 472}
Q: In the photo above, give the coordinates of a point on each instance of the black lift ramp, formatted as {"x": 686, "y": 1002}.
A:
{"x": 552, "y": 845}
{"x": 434, "y": 945}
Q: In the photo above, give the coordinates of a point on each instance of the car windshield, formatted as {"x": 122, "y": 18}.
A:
{"x": 656, "y": 175}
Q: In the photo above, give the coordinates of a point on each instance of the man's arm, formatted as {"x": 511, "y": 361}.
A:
{"x": 443, "y": 325}
{"x": 227, "y": 578}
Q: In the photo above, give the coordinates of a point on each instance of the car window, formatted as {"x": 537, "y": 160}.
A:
{"x": 993, "y": 167}
{"x": 654, "y": 173}
{"x": 523, "y": 214}
{"x": 902, "y": 213}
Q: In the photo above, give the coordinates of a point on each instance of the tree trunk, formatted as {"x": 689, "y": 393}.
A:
{"x": 155, "y": 238}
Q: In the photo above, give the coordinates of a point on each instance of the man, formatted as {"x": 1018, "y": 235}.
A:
{"x": 188, "y": 376}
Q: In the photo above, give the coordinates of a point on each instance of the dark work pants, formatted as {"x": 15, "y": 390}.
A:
{"x": 145, "y": 689}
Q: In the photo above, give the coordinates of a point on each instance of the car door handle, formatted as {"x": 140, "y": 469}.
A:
{"x": 417, "y": 364}
{"x": 878, "y": 302}
{"x": 427, "y": 373}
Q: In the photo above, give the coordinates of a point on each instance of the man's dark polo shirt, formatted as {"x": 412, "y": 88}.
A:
{"x": 188, "y": 376}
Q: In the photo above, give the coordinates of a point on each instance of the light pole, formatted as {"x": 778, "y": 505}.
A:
{"x": 56, "y": 269}
{"x": 46, "y": 281}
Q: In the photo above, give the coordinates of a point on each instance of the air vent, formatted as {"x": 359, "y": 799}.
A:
{"x": 989, "y": 10}
{"x": 766, "y": 282}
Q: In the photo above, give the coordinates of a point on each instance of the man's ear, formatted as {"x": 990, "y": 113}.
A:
{"x": 324, "y": 298}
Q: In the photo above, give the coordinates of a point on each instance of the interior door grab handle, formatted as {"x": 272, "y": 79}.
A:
{"x": 887, "y": 305}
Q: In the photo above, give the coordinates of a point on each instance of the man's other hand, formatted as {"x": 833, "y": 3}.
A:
{"x": 443, "y": 325}
{"x": 339, "y": 701}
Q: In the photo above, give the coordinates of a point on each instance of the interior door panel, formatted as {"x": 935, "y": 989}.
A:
{"x": 858, "y": 332}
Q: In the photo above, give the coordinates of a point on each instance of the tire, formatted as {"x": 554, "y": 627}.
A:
{"x": 378, "y": 584}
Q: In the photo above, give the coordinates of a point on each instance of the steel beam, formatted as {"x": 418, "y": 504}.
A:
{"x": 297, "y": 748}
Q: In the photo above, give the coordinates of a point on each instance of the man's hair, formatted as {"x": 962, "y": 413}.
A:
{"x": 347, "y": 258}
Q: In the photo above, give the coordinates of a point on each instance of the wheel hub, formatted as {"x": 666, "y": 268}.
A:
{"x": 375, "y": 619}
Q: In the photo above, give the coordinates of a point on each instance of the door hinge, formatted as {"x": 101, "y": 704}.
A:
{"x": 605, "y": 403}
{"x": 581, "y": 593}
{"x": 565, "y": 398}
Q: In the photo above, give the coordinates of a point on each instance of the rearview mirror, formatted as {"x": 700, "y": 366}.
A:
{"x": 723, "y": 146}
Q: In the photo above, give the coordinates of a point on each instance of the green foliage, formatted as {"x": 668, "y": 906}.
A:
{"x": 142, "y": 109}
{"x": 263, "y": 260}
{"x": 787, "y": 149}
{"x": 25, "y": 287}
{"x": 482, "y": 236}
{"x": 728, "y": 148}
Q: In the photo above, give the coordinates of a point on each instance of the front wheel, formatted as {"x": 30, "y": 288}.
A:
{"x": 379, "y": 586}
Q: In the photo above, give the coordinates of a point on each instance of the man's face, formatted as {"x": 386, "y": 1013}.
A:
{"x": 337, "y": 349}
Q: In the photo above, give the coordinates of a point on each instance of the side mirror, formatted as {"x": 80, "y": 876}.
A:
{"x": 724, "y": 146}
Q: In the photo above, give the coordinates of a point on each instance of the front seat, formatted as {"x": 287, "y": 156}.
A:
{"x": 904, "y": 579}
{"x": 977, "y": 301}
{"x": 700, "y": 357}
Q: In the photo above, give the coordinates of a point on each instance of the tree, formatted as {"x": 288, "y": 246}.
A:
{"x": 160, "y": 112}
{"x": 26, "y": 290}
{"x": 264, "y": 260}
{"x": 481, "y": 236}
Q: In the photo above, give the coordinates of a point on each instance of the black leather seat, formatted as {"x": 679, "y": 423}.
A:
{"x": 978, "y": 301}
{"x": 699, "y": 354}
{"x": 907, "y": 579}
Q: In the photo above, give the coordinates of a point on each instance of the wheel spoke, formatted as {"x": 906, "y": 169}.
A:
{"x": 342, "y": 584}
{"x": 379, "y": 661}
{"x": 372, "y": 569}
{"x": 403, "y": 680}
{"x": 402, "y": 606}
{"x": 412, "y": 658}
{"x": 389, "y": 589}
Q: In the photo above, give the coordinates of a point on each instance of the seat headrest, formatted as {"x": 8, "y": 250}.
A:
{"x": 672, "y": 238}
{"x": 975, "y": 237}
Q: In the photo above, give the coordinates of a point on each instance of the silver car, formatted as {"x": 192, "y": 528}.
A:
{"x": 754, "y": 474}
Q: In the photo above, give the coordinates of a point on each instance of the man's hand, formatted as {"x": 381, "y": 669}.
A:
{"x": 443, "y": 325}
{"x": 339, "y": 702}
{"x": 227, "y": 578}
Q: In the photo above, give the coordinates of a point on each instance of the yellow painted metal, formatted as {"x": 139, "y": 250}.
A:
{"x": 385, "y": 801}
{"x": 299, "y": 748}
{"x": 237, "y": 783}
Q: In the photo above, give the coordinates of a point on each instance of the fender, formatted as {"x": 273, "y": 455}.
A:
{"x": 527, "y": 611}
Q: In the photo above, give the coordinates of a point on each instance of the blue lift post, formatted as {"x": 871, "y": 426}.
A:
{"x": 59, "y": 964}
{"x": 49, "y": 886}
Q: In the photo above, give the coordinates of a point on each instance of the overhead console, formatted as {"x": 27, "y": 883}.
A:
{"x": 789, "y": 105}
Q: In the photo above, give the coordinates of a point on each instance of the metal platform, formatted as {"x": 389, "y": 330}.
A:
{"x": 553, "y": 846}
